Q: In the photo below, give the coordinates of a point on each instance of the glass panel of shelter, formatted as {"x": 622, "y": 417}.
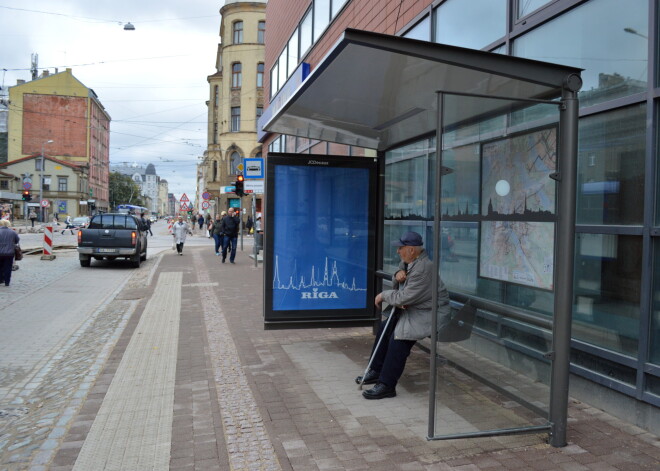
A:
{"x": 491, "y": 374}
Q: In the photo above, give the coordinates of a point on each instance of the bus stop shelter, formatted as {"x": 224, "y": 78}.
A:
{"x": 379, "y": 91}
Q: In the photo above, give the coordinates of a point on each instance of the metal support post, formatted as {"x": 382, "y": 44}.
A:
{"x": 436, "y": 261}
{"x": 565, "y": 240}
{"x": 254, "y": 234}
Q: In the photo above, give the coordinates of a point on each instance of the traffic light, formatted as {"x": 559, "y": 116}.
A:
{"x": 240, "y": 179}
{"x": 27, "y": 196}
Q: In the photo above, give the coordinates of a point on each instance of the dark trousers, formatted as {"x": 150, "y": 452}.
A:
{"x": 390, "y": 359}
{"x": 218, "y": 242}
{"x": 179, "y": 247}
{"x": 32, "y": 219}
{"x": 226, "y": 242}
{"x": 6, "y": 262}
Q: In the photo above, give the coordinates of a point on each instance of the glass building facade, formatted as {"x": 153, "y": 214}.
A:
{"x": 616, "y": 305}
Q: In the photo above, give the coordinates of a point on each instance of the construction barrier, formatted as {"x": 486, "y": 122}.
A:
{"x": 169, "y": 226}
{"x": 48, "y": 243}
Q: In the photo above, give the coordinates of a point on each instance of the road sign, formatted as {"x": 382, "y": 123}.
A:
{"x": 185, "y": 207}
{"x": 254, "y": 186}
{"x": 45, "y": 203}
{"x": 184, "y": 198}
{"x": 27, "y": 180}
{"x": 206, "y": 195}
{"x": 228, "y": 189}
{"x": 205, "y": 205}
{"x": 254, "y": 168}
{"x": 27, "y": 185}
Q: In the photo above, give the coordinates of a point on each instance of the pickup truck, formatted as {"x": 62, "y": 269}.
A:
{"x": 113, "y": 235}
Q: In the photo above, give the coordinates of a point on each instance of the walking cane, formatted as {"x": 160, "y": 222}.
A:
{"x": 387, "y": 324}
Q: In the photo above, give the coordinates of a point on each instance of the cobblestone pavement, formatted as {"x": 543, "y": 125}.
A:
{"x": 249, "y": 399}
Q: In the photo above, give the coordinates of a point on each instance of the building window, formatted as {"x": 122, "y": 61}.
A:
{"x": 235, "y": 118}
{"x": 46, "y": 183}
{"x": 615, "y": 58}
{"x": 321, "y": 17}
{"x": 236, "y": 75}
{"x": 216, "y": 96}
{"x": 261, "y": 33}
{"x": 274, "y": 84}
{"x": 282, "y": 63}
{"x": 236, "y": 161}
{"x": 238, "y": 32}
{"x": 4, "y": 184}
{"x": 215, "y": 170}
{"x": 306, "y": 33}
{"x": 260, "y": 111}
{"x": 473, "y": 24}
{"x": 62, "y": 184}
{"x": 260, "y": 75}
{"x": 215, "y": 133}
{"x": 37, "y": 164}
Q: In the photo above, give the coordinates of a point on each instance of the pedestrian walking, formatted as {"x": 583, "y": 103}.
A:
{"x": 216, "y": 232}
{"x": 8, "y": 242}
{"x": 249, "y": 224}
{"x": 32, "y": 216}
{"x": 147, "y": 223}
{"x": 69, "y": 225}
{"x": 200, "y": 221}
{"x": 179, "y": 231}
{"x": 230, "y": 225}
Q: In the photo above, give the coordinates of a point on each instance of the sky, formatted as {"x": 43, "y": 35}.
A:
{"x": 151, "y": 81}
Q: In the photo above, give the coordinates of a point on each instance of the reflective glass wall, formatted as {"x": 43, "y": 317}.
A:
{"x": 616, "y": 327}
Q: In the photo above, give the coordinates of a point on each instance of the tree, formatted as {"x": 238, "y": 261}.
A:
{"x": 123, "y": 190}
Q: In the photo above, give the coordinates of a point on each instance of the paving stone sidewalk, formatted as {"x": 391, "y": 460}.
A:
{"x": 246, "y": 398}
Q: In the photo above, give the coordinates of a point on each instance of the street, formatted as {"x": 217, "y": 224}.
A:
{"x": 168, "y": 367}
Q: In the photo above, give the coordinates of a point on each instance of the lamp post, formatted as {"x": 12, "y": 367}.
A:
{"x": 635, "y": 32}
{"x": 41, "y": 179}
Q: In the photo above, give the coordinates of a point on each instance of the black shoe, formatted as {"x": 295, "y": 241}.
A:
{"x": 380, "y": 391}
{"x": 223, "y": 259}
{"x": 370, "y": 378}
{"x": 231, "y": 261}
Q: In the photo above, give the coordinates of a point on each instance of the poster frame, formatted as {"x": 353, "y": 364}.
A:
{"x": 312, "y": 318}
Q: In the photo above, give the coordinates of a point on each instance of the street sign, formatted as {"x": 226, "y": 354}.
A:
{"x": 27, "y": 185}
{"x": 27, "y": 180}
{"x": 228, "y": 189}
{"x": 184, "y": 198}
{"x": 254, "y": 186}
{"x": 45, "y": 203}
{"x": 185, "y": 207}
{"x": 206, "y": 195}
{"x": 254, "y": 168}
{"x": 205, "y": 205}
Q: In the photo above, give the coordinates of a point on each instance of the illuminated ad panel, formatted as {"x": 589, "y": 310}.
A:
{"x": 320, "y": 238}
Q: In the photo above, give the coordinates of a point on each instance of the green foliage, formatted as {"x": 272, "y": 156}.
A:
{"x": 123, "y": 190}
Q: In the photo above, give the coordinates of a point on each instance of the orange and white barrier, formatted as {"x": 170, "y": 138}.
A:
{"x": 169, "y": 226}
{"x": 48, "y": 243}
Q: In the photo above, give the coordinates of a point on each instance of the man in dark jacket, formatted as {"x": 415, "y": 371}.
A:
{"x": 230, "y": 225}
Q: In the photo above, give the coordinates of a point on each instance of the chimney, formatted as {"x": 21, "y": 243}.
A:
{"x": 20, "y": 82}
{"x": 45, "y": 73}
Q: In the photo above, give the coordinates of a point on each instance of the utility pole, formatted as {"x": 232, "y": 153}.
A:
{"x": 41, "y": 179}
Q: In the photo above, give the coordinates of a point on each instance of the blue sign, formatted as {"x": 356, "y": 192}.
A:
{"x": 61, "y": 207}
{"x": 253, "y": 168}
{"x": 297, "y": 78}
{"x": 320, "y": 253}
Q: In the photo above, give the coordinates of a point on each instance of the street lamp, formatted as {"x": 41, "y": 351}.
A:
{"x": 634, "y": 31}
{"x": 41, "y": 179}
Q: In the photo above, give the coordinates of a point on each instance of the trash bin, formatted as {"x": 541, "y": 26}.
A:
{"x": 259, "y": 240}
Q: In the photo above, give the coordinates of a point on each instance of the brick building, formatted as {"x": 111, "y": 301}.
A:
{"x": 59, "y": 108}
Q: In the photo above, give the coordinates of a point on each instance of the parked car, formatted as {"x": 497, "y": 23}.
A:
{"x": 81, "y": 222}
{"x": 113, "y": 235}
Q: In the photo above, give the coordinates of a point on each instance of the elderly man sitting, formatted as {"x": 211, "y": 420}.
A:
{"x": 412, "y": 297}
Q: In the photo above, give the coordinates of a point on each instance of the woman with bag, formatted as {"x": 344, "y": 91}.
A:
{"x": 8, "y": 248}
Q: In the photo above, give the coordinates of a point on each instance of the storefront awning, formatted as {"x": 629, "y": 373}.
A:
{"x": 374, "y": 90}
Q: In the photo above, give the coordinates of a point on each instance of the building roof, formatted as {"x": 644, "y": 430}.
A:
{"x": 47, "y": 157}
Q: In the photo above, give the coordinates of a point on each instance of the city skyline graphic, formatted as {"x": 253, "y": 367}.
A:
{"x": 329, "y": 278}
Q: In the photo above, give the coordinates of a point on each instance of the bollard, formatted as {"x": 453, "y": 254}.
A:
{"x": 48, "y": 243}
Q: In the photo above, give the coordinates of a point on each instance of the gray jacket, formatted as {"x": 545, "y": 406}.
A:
{"x": 415, "y": 296}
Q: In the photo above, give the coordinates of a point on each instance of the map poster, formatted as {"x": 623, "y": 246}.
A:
{"x": 320, "y": 225}
{"x": 519, "y": 252}
{"x": 518, "y": 209}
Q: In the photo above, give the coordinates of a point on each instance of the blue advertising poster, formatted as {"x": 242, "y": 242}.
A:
{"x": 321, "y": 224}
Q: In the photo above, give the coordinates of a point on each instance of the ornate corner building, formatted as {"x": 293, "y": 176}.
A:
{"x": 235, "y": 102}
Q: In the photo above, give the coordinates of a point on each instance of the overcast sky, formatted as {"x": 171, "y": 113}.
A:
{"x": 152, "y": 81}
